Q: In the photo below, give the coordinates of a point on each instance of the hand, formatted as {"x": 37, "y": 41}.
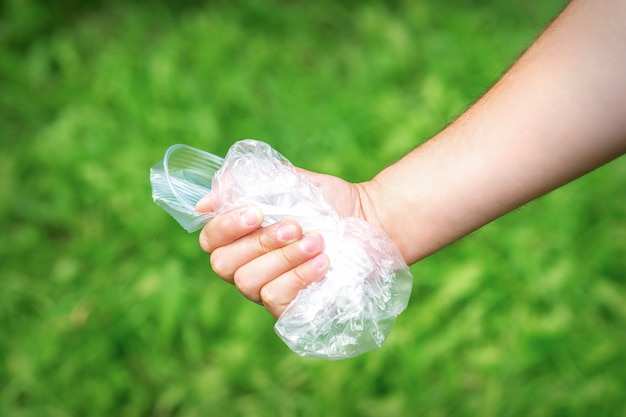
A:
{"x": 270, "y": 265}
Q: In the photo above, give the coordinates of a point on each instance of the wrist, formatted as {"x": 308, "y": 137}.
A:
{"x": 376, "y": 206}
{"x": 409, "y": 203}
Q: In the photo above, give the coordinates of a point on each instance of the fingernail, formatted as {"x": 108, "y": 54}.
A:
{"x": 250, "y": 216}
{"x": 311, "y": 243}
{"x": 286, "y": 232}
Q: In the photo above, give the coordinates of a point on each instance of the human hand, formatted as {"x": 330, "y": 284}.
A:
{"x": 270, "y": 265}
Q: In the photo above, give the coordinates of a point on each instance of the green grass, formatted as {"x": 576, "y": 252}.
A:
{"x": 107, "y": 307}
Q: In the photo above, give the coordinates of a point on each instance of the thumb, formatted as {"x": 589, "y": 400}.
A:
{"x": 207, "y": 204}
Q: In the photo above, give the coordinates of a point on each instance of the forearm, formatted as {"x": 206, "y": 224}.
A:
{"x": 557, "y": 114}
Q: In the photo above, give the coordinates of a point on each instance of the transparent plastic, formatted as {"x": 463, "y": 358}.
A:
{"x": 180, "y": 180}
{"x": 353, "y": 308}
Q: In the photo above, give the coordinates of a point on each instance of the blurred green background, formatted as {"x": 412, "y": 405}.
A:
{"x": 108, "y": 308}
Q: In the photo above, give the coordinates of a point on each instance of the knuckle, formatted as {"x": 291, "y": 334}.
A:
{"x": 219, "y": 264}
{"x": 246, "y": 286}
{"x": 266, "y": 240}
{"x": 213, "y": 232}
{"x": 288, "y": 257}
{"x": 205, "y": 244}
{"x": 271, "y": 300}
{"x": 301, "y": 279}
{"x": 267, "y": 296}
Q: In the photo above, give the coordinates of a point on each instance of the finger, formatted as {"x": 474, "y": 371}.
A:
{"x": 207, "y": 203}
{"x": 276, "y": 295}
{"x": 227, "y": 227}
{"x": 254, "y": 275}
{"x": 226, "y": 260}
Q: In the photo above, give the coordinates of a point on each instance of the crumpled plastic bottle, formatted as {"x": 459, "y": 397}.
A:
{"x": 353, "y": 308}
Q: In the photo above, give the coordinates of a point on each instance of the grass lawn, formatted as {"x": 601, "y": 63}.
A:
{"x": 108, "y": 308}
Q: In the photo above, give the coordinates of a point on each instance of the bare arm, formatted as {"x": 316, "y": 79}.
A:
{"x": 557, "y": 114}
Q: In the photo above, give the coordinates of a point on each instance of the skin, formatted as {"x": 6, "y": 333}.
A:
{"x": 557, "y": 114}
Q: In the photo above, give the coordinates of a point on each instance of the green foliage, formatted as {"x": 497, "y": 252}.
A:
{"x": 107, "y": 307}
